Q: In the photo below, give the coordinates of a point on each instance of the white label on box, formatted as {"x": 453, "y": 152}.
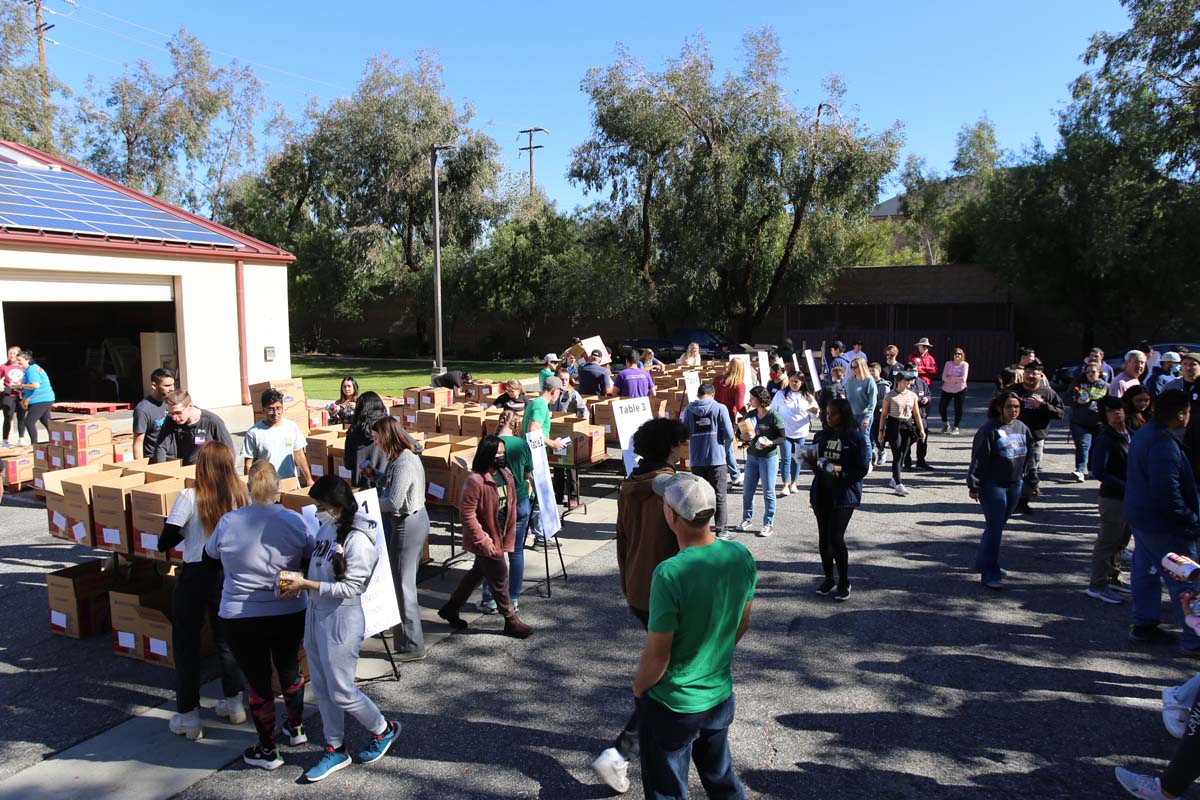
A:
{"x": 487, "y": 390}
{"x": 56, "y": 436}
{"x": 149, "y": 541}
{"x": 71, "y": 460}
{"x": 410, "y": 401}
{"x": 39, "y": 483}
{"x": 437, "y": 491}
{"x": 111, "y": 535}
{"x": 157, "y": 646}
{"x": 68, "y": 436}
{"x": 123, "y": 457}
{"x": 56, "y": 461}
{"x": 317, "y": 470}
{"x": 410, "y": 420}
{"x": 58, "y": 619}
{"x": 608, "y": 429}
{"x": 79, "y": 531}
{"x": 60, "y": 522}
{"x": 345, "y": 473}
{"x": 126, "y": 640}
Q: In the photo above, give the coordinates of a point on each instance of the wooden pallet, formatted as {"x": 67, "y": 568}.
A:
{"x": 90, "y": 408}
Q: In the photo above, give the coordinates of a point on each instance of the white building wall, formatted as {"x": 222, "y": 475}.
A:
{"x": 205, "y": 313}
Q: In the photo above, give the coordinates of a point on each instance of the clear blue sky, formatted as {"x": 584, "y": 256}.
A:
{"x": 932, "y": 64}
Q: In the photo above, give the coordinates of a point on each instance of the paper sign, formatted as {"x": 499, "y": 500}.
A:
{"x": 111, "y": 535}
{"x": 149, "y": 541}
{"x": 60, "y": 522}
{"x": 543, "y": 486}
{"x": 309, "y": 515}
{"x": 631, "y": 460}
{"x": 764, "y": 368}
{"x": 79, "y": 531}
{"x": 795, "y": 363}
{"x": 157, "y": 646}
{"x": 58, "y": 619}
{"x": 629, "y": 414}
{"x": 380, "y": 610}
{"x": 343, "y": 472}
{"x": 595, "y": 343}
{"x": 126, "y": 640}
{"x": 317, "y": 470}
{"x": 436, "y": 490}
{"x": 812, "y": 371}
{"x": 691, "y": 384}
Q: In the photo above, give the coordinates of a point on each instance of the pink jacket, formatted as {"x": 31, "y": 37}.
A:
{"x": 478, "y": 506}
{"x": 954, "y": 376}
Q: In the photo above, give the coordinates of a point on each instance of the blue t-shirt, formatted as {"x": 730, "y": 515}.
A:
{"x": 634, "y": 382}
{"x": 44, "y": 393}
{"x": 593, "y": 380}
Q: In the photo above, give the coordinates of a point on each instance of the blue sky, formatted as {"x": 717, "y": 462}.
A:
{"x": 931, "y": 64}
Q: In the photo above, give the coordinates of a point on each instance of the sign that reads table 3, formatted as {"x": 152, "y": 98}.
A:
{"x": 630, "y": 414}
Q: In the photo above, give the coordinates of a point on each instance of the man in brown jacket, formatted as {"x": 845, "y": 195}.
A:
{"x": 644, "y": 540}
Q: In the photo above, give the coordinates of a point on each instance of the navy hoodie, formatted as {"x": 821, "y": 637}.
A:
{"x": 849, "y": 451}
{"x": 711, "y": 428}
{"x": 1000, "y": 454}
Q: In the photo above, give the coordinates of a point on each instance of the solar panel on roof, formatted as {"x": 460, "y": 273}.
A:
{"x": 63, "y": 202}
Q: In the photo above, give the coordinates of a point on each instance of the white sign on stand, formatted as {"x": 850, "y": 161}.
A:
{"x": 795, "y": 363}
{"x": 691, "y": 384}
{"x": 629, "y": 414}
{"x": 764, "y": 368}
{"x": 380, "y": 610}
{"x": 812, "y": 370}
{"x": 551, "y": 524}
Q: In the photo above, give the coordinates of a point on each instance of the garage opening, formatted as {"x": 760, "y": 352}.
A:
{"x": 92, "y": 351}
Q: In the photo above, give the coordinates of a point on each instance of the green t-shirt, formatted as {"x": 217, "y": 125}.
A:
{"x": 537, "y": 410}
{"x": 545, "y": 373}
{"x": 698, "y": 594}
{"x": 520, "y": 462}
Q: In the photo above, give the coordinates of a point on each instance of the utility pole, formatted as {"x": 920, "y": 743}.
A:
{"x": 40, "y": 28}
{"x": 530, "y": 132}
{"x": 439, "y": 366}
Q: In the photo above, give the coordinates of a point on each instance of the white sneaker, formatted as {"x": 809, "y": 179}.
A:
{"x": 785, "y": 491}
{"x": 188, "y": 725}
{"x": 1078, "y": 476}
{"x": 954, "y": 431}
{"x": 231, "y": 708}
{"x": 766, "y": 531}
{"x": 891, "y": 483}
{"x": 736, "y": 481}
{"x": 901, "y": 490}
{"x": 1174, "y": 713}
{"x": 1142, "y": 786}
{"x": 613, "y": 770}
{"x": 743, "y": 526}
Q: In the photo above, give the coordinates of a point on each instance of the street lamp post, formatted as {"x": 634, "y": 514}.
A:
{"x": 439, "y": 366}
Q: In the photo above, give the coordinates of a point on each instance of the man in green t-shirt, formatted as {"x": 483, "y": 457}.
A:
{"x": 699, "y": 609}
{"x": 537, "y": 418}
{"x": 549, "y": 369}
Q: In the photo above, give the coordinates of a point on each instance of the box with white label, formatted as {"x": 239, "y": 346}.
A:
{"x": 79, "y": 599}
{"x": 125, "y": 611}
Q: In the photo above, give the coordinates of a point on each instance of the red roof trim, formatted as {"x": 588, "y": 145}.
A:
{"x": 252, "y": 250}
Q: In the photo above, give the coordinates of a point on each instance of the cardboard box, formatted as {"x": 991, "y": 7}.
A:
{"x": 41, "y": 457}
{"x": 154, "y": 472}
{"x": 125, "y": 609}
{"x": 585, "y": 447}
{"x": 112, "y": 514}
{"x": 292, "y": 390}
{"x": 123, "y": 449}
{"x": 79, "y": 599}
{"x": 412, "y": 397}
{"x": 317, "y": 417}
{"x": 407, "y": 415}
{"x": 482, "y": 391}
{"x": 427, "y": 420}
{"x": 317, "y": 452}
{"x": 436, "y": 456}
{"x": 437, "y": 485}
{"x": 155, "y": 497}
{"x": 80, "y": 434}
{"x": 39, "y": 482}
{"x": 460, "y": 468}
{"x": 450, "y": 419}
{"x": 296, "y": 499}
{"x": 566, "y": 425}
{"x": 16, "y": 467}
{"x": 102, "y": 454}
{"x": 58, "y": 428}
{"x": 77, "y": 502}
{"x": 435, "y": 398}
{"x": 56, "y": 457}
{"x": 602, "y": 416}
{"x": 144, "y": 531}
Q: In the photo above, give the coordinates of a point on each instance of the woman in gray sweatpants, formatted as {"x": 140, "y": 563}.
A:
{"x": 402, "y": 495}
{"x": 342, "y": 563}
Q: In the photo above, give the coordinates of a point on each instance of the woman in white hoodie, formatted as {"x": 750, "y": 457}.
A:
{"x": 343, "y": 561}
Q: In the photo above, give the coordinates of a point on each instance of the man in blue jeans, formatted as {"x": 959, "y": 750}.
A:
{"x": 699, "y": 609}
{"x": 1163, "y": 509}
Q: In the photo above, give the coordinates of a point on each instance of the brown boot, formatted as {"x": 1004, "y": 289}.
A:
{"x": 515, "y": 628}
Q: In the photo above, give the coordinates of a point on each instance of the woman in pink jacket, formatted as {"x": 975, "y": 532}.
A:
{"x": 954, "y": 387}
{"x": 488, "y": 508}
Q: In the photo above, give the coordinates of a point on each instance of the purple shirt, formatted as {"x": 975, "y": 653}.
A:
{"x": 634, "y": 382}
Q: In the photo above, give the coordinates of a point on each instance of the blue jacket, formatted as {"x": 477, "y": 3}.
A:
{"x": 711, "y": 428}
{"x": 1161, "y": 503}
{"x": 850, "y": 452}
{"x": 1159, "y": 380}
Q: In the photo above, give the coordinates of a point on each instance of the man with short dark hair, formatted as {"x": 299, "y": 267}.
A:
{"x": 700, "y": 603}
{"x": 1040, "y": 405}
{"x": 837, "y": 358}
{"x": 710, "y": 427}
{"x": 594, "y": 379}
{"x": 150, "y": 413}
{"x": 633, "y": 381}
{"x": 187, "y": 429}
{"x": 1163, "y": 509}
{"x": 277, "y": 439}
{"x": 452, "y": 379}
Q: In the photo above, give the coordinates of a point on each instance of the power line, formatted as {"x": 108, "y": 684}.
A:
{"x": 531, "y": 148}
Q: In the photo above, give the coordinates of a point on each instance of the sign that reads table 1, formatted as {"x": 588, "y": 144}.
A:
{"x": 551, "y": 524}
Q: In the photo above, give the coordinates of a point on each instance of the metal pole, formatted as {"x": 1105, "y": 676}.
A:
{"x": 531, "y": 148}
{"x": 438, "y": 365}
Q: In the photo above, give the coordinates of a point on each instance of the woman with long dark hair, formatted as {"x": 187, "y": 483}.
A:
{"x": 762, "y": 460}
{"x": 37, "y": 396}
{"x": 1000, "y": 464}
{"x": 342, "y": 563}
{"x": 402, "y": 497}
{"x": 839, "y": 459}
{"x": 341, "y": 412}
{"x": 488, "y": 508}
{"x": 360, "y": 442}
{"x": 795, "y": 404}
{"x": 196, "y": 512}
{"x": 1139, "y": 407}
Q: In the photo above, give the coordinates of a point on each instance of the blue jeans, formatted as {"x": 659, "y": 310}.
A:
{"x": 1082, "y": 437}
{"x": 859, "y": 419}
{"x": 759, "y": 469}
{"x": 516, "y": 559}
{"x": 1146, "y": 577}
{"x": 668, "y": 740}
{"x": 998, "y": 501}
{"x": 731, "y": 460}
{"x": 789, "y": 470}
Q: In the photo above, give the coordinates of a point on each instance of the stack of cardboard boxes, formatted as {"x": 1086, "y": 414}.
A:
{"x": 295, "y": 404}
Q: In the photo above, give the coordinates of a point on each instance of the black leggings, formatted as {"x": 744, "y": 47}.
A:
{"x": 1185, "y": 766}
{"x": 198, "y": 595}
{"x": 944, "y": 403}
{"x": 899, "y": 438}
{"x": 38, "y": 412}
{"x": 11, "y": 404}
{"x": 831, "y": 536}
{"x": 257, "y": 644}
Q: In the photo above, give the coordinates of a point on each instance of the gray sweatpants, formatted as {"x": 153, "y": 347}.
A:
{"x": 332, "y": 638}
{"x": 404, "y": 551}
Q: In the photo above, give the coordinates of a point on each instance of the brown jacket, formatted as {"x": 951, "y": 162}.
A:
{"x": 643, "y": 538}
{"x": 478, "y": 506}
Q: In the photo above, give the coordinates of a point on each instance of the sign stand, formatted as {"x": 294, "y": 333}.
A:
{"x": 544, "y": 488}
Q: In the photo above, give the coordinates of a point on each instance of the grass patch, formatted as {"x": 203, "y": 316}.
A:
{"x": 323, "y": 374}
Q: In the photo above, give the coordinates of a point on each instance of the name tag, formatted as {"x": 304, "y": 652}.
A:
{"x": 199, "y": 440}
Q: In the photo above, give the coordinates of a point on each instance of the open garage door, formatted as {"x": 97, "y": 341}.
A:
{"x": 85, "y": 328}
